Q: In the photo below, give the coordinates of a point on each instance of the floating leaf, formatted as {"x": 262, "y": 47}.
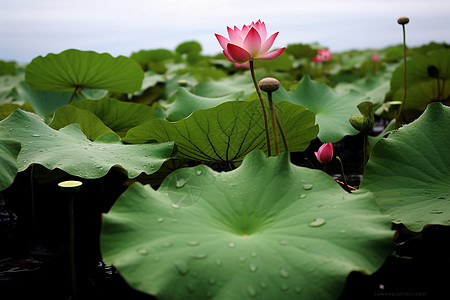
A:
{"x": 409, "y": 172}
{"x": 73, "y": 69}
{"x": 115, "y": 115}
{"x": 423, "y": 86}
{"x": 332, "y": 109}
{"x": 9, "y": 149}
{"x": 268, "y": 229}
{"x": 228, "y": 132}
{"x": 184, "y": 103}
{"x": 69, "y": 150}
{"x": 225, "y": 86}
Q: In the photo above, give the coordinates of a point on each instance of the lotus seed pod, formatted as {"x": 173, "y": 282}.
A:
{"x": 269, "y": 84}
{"x": 403, "y": 20}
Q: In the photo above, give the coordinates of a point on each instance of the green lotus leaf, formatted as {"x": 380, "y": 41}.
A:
{"x": 89, "y": 123}
{"x": 69, "y": 150}
{"x": 267, "y": 230}
{"x": 373, "y": 87}
{"x": 154, "y": 55}
{"x": 190, "y": 47}
{"x": 9, "y": 149}
{"x": 228, "y": 132}
{"x": 115, "y": 115}
{"x": 332, "y": 109}
{"x": 45, "y": 103}
{"x": 184, "y": 103}
{"x": 72, "y": 69}
{"x": 427, "y": 80}
{"x": 7, "y": 85}
{"x": 409, "y": 172}
{"x": 225, "y": 86}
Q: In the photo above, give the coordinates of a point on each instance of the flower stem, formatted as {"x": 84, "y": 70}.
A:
{"x": 274, "y": 126}
{"x": 252, "y": 71}
{"x": 404, "y": 79}
{"x": 343, "y": 175}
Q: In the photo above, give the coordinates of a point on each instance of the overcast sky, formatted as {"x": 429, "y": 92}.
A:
{"x": 29, "y": 28}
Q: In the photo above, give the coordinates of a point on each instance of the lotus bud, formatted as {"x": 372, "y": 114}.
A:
{"x": 403, "y": 20}
{"x": 269, "y": 84}
{"x": 325, "y": 153}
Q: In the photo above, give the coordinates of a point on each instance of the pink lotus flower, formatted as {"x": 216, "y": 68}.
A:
{"x": 248, "y": 43}
{"x": 325, "y": 153}
{"x": 322, "y": 55}
{"x": 374, "y": 57}
{"x": 244, "y": 65}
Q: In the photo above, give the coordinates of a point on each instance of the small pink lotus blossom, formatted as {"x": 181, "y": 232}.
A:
{"x": 248, "y": 43}
{"x": 374, "y": 57}
{"x": 322, "y": 55}
{"x": 325, "y": 153}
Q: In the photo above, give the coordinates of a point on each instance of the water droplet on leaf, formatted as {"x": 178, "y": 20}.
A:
{"x": 193, "y": 243}
{"x": 284, "y": 273}
{"x": 198, "y": 256}
{"x": 263, "y": 285}
{"x": 180, "y": 182}
{"x": 436, "y": 211}
{"x": 231, "y": 245}
{"x": 175, "y": 205}
{"x": 302, "y": 196}
{"x": 142, "y": 251}
{"x": 160, "y": 220}
{"x": 253, "y": 268}
{"x": 308, "y": 186}
{"x": 198, "y": 172}
{"x": 317, "y": 222}
{"x": 181, "y": 266}
{"x": 251, "y": 291}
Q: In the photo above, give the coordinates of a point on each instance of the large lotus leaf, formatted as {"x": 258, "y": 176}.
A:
{"x": 7, "y": 85}
{"x": 89, "y": 123}
{"x": 73, "y": 68}
{"x": 118, "y": 116}
{"x": 409, "y": 172}
{"x": 153, "y": 55}
{"x": 229, "y": 131}
{"x": 45, "y": 103}
{"x": 225, "y": 86}
{"x": 423, "y": 72}
{"x": 332, "y": 109}
{"x": 9, "y": 149}
{"x": 69, "y": 150}
{"x": 267, "y": 230}
{"x": 375, "y": 87}
{"x": 184, "y": 103}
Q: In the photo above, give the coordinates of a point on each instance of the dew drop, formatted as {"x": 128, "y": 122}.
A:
{"x": 198, "y": 256}
{"x": 190, "y": 288}
{"x": 218, "y": 262}
{"x": 317, "y": 222}
{"x": 284, "y": 273}
{"x": 251, "y": 291}
{"x": 180, "y": 182}
{"x": 298, "y": 290}
{"x": 284, "y": 287}
{"x": 253, "y": 268}
{"x": 160, "y": 220}
{"x": 181, "y": 266}
{"x": 36, "y": 135}
{"x": 193, "y": 243}
{"x": 263, "y": 285}
{"x": 175, "y": 205}
{"x": 308, "y": 186}
{"x": 302, "y": 196}
{"x": 231, "y": 245}
{"x": 283, "y": 243}
{"x": 254, "y": 254}
{"x": 142, "y": 251}
{"x": 198, "y": 172}
{"x": 436, "y": 212}
{"x": 241, "y": 259}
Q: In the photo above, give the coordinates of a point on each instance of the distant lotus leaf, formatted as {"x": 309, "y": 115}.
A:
{"x": 9, "y": 149}
{"x": 228, "y": 132}
{"x": 73, "y": 69}
{"x": 409, "y": 172}
{"x": 68, "y": 149}
{"x": 117, "y": 116}
{"x": 375, "y": 87}
{"x": 267, "y": 230}
{"x": 225, "y": 86}
{"x": 190, "y": 47}
{"x": 332, "y": 109}
{"x": 427, "y": 79}
{"x": 184, "y": 103}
